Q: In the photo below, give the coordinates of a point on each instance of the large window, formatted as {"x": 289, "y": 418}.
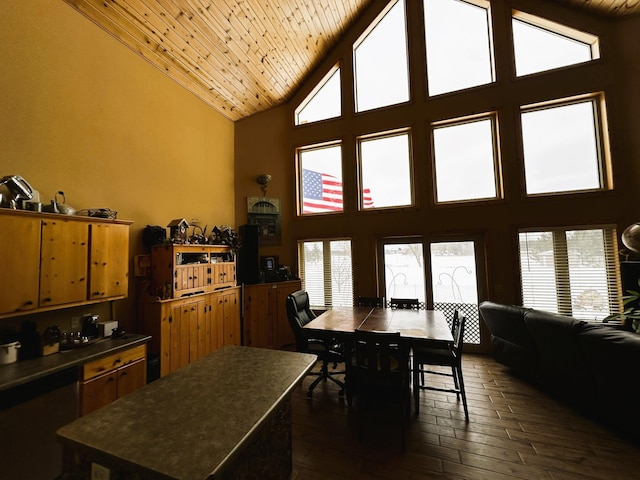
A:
{"x": 541, "y": 45}
{"x": 446, "y": 279}
{"x": 323, "y": 103}
{"x": 465, "y": 160}
{"x": 385, "y": 170}
{"x": 380, "y": 62}
{"x": 571, "y": 271}
{"x": 562, "y": 151}
{"x": 320, "y": 180}
{"x": 326, "y": 272}
{"x": 459, "y": 47}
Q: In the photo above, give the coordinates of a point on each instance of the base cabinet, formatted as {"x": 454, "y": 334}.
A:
{"x": 186, "y": 329}
{"x": 109, "y": 378}
{"x": 265, "y": 322}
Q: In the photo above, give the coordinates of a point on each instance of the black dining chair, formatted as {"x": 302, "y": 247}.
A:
{"x": 405, "y": 303}
{"x": 371, "y": 302}
{"x": 426, "y": 357}
{"x": 328, "y": 350}
{"x": 379, "y": 376}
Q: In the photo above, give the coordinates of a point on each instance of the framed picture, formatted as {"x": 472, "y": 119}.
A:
{"x": 265, "y": 212}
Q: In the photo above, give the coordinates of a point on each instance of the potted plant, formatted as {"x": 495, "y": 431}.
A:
{"x": 630, "y": 315}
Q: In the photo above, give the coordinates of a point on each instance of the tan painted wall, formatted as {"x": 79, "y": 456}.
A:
{"x": 83, "y": 114}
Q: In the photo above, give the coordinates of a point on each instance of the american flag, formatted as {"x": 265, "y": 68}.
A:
{"x": 323, "y": 193}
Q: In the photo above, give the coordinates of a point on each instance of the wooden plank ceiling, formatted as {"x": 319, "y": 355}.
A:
{"x": 243, "y": 57}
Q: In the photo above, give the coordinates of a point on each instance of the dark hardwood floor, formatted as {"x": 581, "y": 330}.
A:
{"x": 515, "y": 431}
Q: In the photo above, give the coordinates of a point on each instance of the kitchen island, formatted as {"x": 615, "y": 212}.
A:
{"x": 227, "y": 415}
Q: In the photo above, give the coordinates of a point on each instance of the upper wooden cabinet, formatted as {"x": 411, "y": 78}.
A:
{"x": 63, "y": 262}
{"x": 19, "y": 263}
{"x": 50, "y": 261}
{"x": 182, "y": 270}
{"x": 108, "y": 261}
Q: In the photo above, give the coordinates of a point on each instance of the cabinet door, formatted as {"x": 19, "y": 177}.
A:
{"x": 132, "y": 377}
{"x": 231, "y": 319}
{"x": 109, "y": 261}
{"x": 20, "y": 241}
{"x": 179, "y": 338}
{"x": 194, "y": 314}
{"x": 63, "y": 262}
{"x": 98, "y": 392}
{"x": 257, "y": 329}
{"x": 283, "y": 333}
{"x": 217, "y": 321}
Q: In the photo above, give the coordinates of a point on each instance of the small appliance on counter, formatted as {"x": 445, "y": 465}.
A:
{"x": 90, "y": 328}
{"x": 106, "y": 328}
{"x": 51, "y": 340}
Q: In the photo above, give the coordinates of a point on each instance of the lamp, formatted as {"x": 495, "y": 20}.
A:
{"x": 263, "y": 180}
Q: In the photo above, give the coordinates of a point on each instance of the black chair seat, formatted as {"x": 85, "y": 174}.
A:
{"x": 329, "y": 351}
{"x": 423, "y": 357}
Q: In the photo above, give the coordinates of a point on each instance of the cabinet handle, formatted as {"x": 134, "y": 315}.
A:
{"x": 48, "y": 299}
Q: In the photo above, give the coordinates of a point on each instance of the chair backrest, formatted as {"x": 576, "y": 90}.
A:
{"x": 299, "y": 313}
{"x": 405, "y": 303}
{"x": 458, "y": 337}
{"x": 455, "y": 320}
{"x": 371, "y": 301}
{"x": 379, "y": 356}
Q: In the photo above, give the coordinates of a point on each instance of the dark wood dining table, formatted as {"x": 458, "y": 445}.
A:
{"x": 416, "y": 327}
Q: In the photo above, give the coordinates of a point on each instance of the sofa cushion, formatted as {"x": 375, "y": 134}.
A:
{"x": 613, "y": 355}
{"x": 562, "y": 365}
{"x": 511, "y": 343}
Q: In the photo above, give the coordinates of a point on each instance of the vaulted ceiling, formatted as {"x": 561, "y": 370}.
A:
{"x": 243, "y": 57}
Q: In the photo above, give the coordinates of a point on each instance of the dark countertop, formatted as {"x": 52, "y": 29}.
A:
{"x": 189, "y": 423}
{"x": 25, "y": 371}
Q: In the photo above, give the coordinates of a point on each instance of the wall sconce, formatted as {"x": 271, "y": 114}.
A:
{"x": 263, "y": 180}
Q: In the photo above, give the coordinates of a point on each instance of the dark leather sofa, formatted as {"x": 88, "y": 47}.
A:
{"x": 590, "y": 366}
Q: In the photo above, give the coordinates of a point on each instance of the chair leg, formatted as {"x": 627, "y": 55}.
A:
{"x": 464, "y": 395}
{"x": 455, "y": 380}
{"x": 416, "y": 388}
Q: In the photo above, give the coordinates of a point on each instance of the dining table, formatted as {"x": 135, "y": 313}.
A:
{"x": 416, "y": 327}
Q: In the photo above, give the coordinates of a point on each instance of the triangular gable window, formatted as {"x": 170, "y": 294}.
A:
{"x": 381, "y": 66}
{"x": 541, "y": 45}
{"x": 323, "y": 102}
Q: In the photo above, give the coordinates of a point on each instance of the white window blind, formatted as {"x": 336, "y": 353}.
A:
{"x": 571, "y": 271}
{"x": 326, "y": 270}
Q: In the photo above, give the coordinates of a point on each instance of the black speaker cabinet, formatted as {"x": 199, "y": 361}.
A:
{"x": 248, "y": 258}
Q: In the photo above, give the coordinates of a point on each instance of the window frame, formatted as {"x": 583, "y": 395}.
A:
{"x": 497, "y": 160}
{"x": 556, "y": 28}
{"x": 382, "y": 135}
{"x": 603, "y": 153}
{"x": 326, "y": 257}
{"x": 299, "y": 178}
{"x": 561, "y": 266}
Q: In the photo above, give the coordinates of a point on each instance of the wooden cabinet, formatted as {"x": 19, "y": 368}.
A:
{"x": 53, "y": 261}
{"x": 111, "y": 377}
{"x": 108, "y": 261}
{"x": 180, "y": 270}
{"x": 186, "y": 329}
{"x": 63, "y": 262}
{"x": 20, "y": 259}
{"x": 265, "y": 322}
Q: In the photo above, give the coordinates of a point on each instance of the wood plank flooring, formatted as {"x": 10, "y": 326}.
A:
{"x": 515, "y": 431}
